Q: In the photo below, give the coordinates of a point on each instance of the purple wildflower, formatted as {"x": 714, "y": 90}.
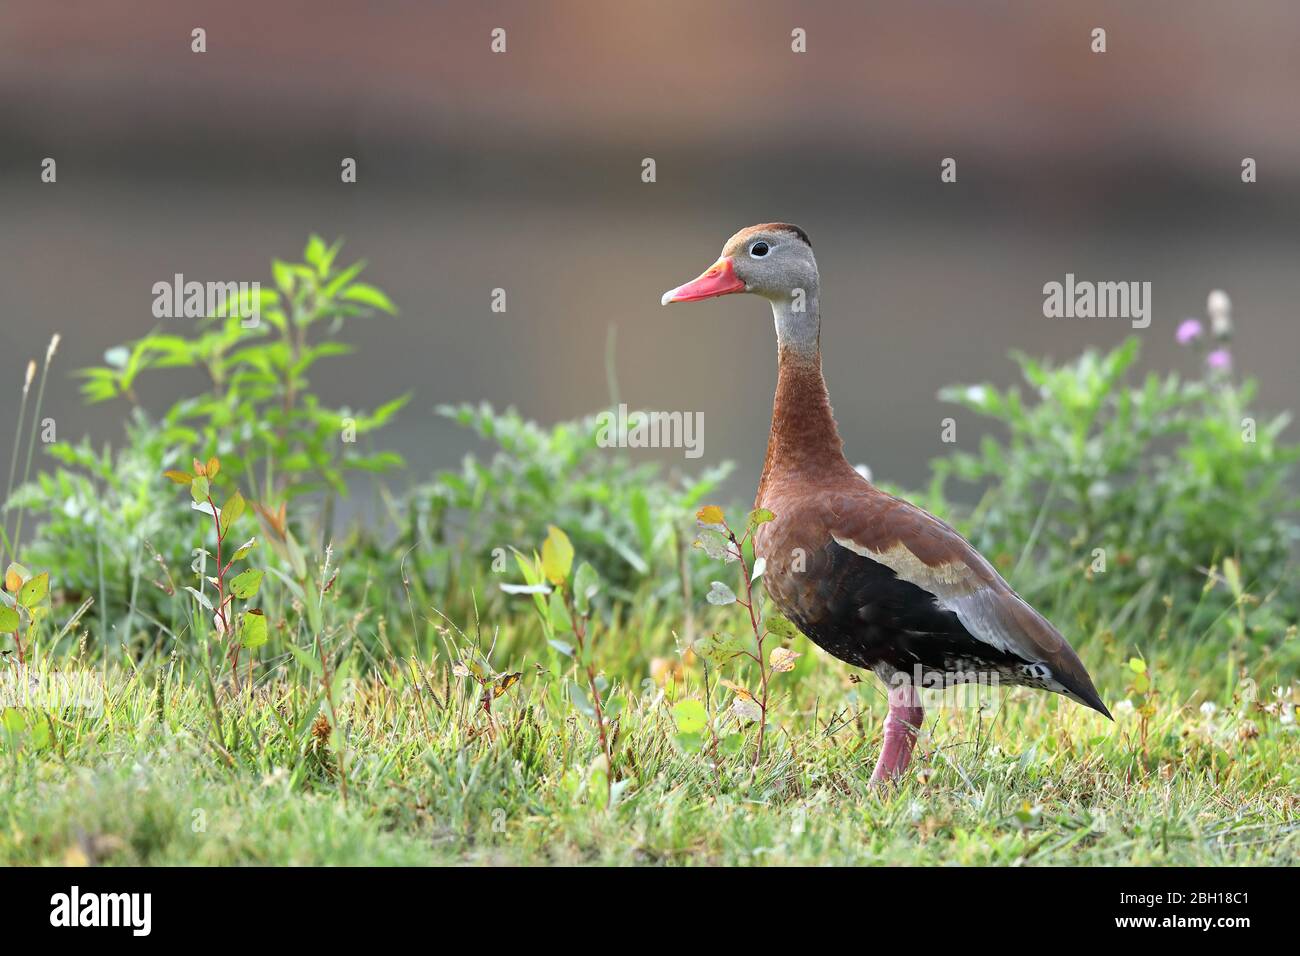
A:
{"x": 1189, "y": 330}
{"x": 1220, "y": 360}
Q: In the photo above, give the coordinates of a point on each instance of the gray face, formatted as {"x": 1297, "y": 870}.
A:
{"x": 772, "y": 263}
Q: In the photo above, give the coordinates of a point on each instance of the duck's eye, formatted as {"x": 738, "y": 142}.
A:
{"x": 758, "y": 249}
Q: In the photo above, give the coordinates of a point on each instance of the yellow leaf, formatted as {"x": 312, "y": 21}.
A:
{"x": 212, "y": 467}
{"x": 180, "y": 477}
{"x": 736, "y": 689}
{"x": 710, "y": 514}
{"x": 13, "y": 579}
{"x": 557, "y": 555}
{"x": 782, "y": 659}
{"x": 504, "y": 683}
{"x": 200, "y": 469}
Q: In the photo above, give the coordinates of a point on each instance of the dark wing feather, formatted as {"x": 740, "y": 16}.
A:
{"x": 924, "y": 551}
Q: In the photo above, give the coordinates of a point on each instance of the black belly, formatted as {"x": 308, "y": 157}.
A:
{"x": 858, "y": 610}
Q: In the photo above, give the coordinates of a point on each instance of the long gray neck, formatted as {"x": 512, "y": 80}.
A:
{"x": 798, "y": 322}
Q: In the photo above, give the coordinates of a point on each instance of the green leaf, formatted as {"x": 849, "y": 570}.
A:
{"x": 691, "y": 743}
{"x": 231, "y": 510}
{"x": 200, "y": 597}
{"x": 557, "y": 555}
{"x": 343, "y": 278}
{"x": 1137, "y": 665}
{"x": 243, "y": 549}
{"x": 717, "y": 649}
{"x": 760, "y": 516}
{"x": 779, "y": 625}
{"x": 34, "y": 591}
{"x": 586, "y": 584}
{"x": 199, "y": 489}
{"x": 9, "y": 620}
{"x": 732, "y": 744}
{"x": 307, "y": 661}
{"x": 315, "y": 253}
{"x": 578, "y": 695}
{"x": 689, "y": 716}
{"x": 283, "y": 274}
{"x": 254, "y": 632}
{"x": 245, "y": 584}
{"x": 561, "y": 623}
{"x": 369, "y": 295}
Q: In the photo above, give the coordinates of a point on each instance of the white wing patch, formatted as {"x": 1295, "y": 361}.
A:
{"x": 948, "y": 580}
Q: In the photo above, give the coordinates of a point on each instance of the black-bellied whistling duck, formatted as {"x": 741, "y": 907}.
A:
{"x": 868, "y": 577}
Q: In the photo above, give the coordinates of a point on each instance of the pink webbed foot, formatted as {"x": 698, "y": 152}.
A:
{"x": 901, "y": 727}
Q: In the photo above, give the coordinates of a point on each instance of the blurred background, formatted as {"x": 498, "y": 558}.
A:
{"x": 523, "y": 171}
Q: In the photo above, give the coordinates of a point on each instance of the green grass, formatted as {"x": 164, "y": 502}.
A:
{"x": 134, "y": 767}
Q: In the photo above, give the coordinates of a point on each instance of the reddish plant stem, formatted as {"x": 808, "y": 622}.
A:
{"x": 580, "y": 632}
{"x": 334, "y": 716}
{"x": 758, "y": 639}
{"x": 233, "y": 653}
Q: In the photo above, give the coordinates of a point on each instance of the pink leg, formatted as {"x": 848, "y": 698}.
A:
{"x": 901, "y": 726}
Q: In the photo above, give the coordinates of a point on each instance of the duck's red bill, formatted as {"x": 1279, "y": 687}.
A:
{"x": 719, "y": 279}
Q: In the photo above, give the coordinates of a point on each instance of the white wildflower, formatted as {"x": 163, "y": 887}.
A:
{"x": 1217, "y": 304}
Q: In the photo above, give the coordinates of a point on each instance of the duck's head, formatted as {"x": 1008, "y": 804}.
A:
{"x": 773, "y": 260}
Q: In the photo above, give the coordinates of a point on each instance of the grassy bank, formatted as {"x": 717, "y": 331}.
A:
{"x": 151, "y": 766}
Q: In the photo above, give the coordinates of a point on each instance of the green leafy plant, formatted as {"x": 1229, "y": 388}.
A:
{"x": 252, "y": 406}
{"x": 563, "y": 600}
{"x": 1142, "y": 696}
{"x": 248, "y": 630}
{"x": 23, "y": 605}
{"x": 102, "y": 527}
{"x": 1138, "y": 488}
{"x": 629, "y": 521}
{"x": 719, "y": 541}
{"x": 258, "y": 409}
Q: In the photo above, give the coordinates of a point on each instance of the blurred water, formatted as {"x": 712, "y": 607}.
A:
{"x": 910, "y": 304}
{"x": 523, "y": 172}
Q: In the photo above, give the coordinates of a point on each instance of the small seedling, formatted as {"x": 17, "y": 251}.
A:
{"x": 23, "y": 605}
{"x": 719, "y": 541}
{"x": 248, "y": 630}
